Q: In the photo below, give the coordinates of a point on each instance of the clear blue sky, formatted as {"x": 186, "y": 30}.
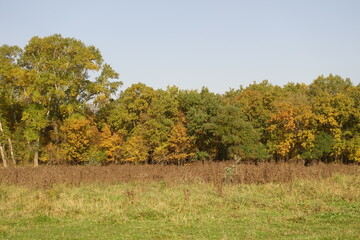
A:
{"x": 193, "y": 43}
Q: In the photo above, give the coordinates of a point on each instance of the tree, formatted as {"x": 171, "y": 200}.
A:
{"x": 256, "y": 104}
{"x": 77, "y": 138}
{"x": 34, "y": 120}
{"x": 353, "y": 125}
{"x": 136, "y": 148}
{"x": 334, "y": 105}
{"x": 329, "y": 85}
{"x": 10, "y": 72}
{"x": 199, "y": 108}
{"x": 236, "y": 136}
{"x": 56, "y": 105}
{"x": 355, "y": 149}
{"x": 179, "y": 146}
{"x": 2, "y": 151}
{"x": 179, "y": 143}
{"x": 58, "y": 78}
{"x": 144, "y": 117}
{"x": 256, "y": 101}
{"x": 322, "y": 148}
{"x": 111, "y": 144}
{"x": 159, "y": 119}
{"x": 292, "y": 129}
{"x": 128, "y": 109}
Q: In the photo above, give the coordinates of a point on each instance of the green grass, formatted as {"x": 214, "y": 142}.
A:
{"x": 321, "y": 209}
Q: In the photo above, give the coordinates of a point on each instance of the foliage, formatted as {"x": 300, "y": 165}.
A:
{"x": 323, "y": 145}
{"x": 136, "y": 149}
{"x": 179, "y": 144}
{"x": 58, "y": 101}
{"x": 236, "y": 135}
{"x": 77, "y": 136}
{"x": 199, "y": 108}
{"x": 111, "y": 144}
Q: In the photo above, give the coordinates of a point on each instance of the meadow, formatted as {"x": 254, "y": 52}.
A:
{"x": 199, "y": 201}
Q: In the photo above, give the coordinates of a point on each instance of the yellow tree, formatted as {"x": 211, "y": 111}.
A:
{"x": 111, "y": 144}
{"x": 335, "y": 103}
{"x": 354, "y": 125}
{"x": 292, "y": 129}
{"x": 354, "y": 145}
{"x": 256, "y": 101}
{"x": 179, "y": 144}
{"x": 77, "y": 138}
{"x": 332, "y": 113}
{"x": 135, "y": 149}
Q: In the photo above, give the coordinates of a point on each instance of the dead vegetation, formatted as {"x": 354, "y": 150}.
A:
{"x": 218, "y": 173}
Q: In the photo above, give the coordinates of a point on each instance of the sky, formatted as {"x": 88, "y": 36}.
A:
{"x": 218, "y": 44}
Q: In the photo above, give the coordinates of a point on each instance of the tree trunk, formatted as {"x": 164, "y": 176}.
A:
{"x": 11, "y": 151}
{"x": 3, "y": 156}
{"x": 2, "y": 151}
{"x": 36, "y": 158}
{"x": 36, "y": 155}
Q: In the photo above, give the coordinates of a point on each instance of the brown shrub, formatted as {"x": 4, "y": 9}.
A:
{"x": 217, "y": 173}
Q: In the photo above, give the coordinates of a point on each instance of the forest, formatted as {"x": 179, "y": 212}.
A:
{"x": 61, "y": 103}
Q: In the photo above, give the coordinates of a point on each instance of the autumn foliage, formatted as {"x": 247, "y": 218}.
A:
{"x": 59, "y": 104}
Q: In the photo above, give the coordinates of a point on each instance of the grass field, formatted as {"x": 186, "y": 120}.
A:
{"x": 308, "y": 208}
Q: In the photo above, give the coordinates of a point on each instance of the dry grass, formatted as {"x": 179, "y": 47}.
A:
{"x": 215, "y": 172}
{"x": 181, "y": 202}
{"x": 301, "y": 209}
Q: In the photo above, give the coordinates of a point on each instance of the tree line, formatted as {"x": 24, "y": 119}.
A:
{"x": 61, "y": 104}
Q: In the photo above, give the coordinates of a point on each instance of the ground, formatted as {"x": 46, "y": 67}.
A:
{"x": 314, "y": 208}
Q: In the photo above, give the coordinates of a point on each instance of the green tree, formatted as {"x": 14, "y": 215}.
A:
{"x": 127, "y": 111}
{"x": 10, "y": 73}
{"x": 322, "y": 148}
{"x": 256, "y": 103}
{"x": 199, "y": 108}
{"x": 329, "y": 85}
{"x": 34, "y": 120}
{"x": 236, "y": 136}
{"x": 58, "y": 78}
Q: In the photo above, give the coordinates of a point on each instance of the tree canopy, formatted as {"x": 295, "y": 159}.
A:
{"x": 61, "y": 104}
